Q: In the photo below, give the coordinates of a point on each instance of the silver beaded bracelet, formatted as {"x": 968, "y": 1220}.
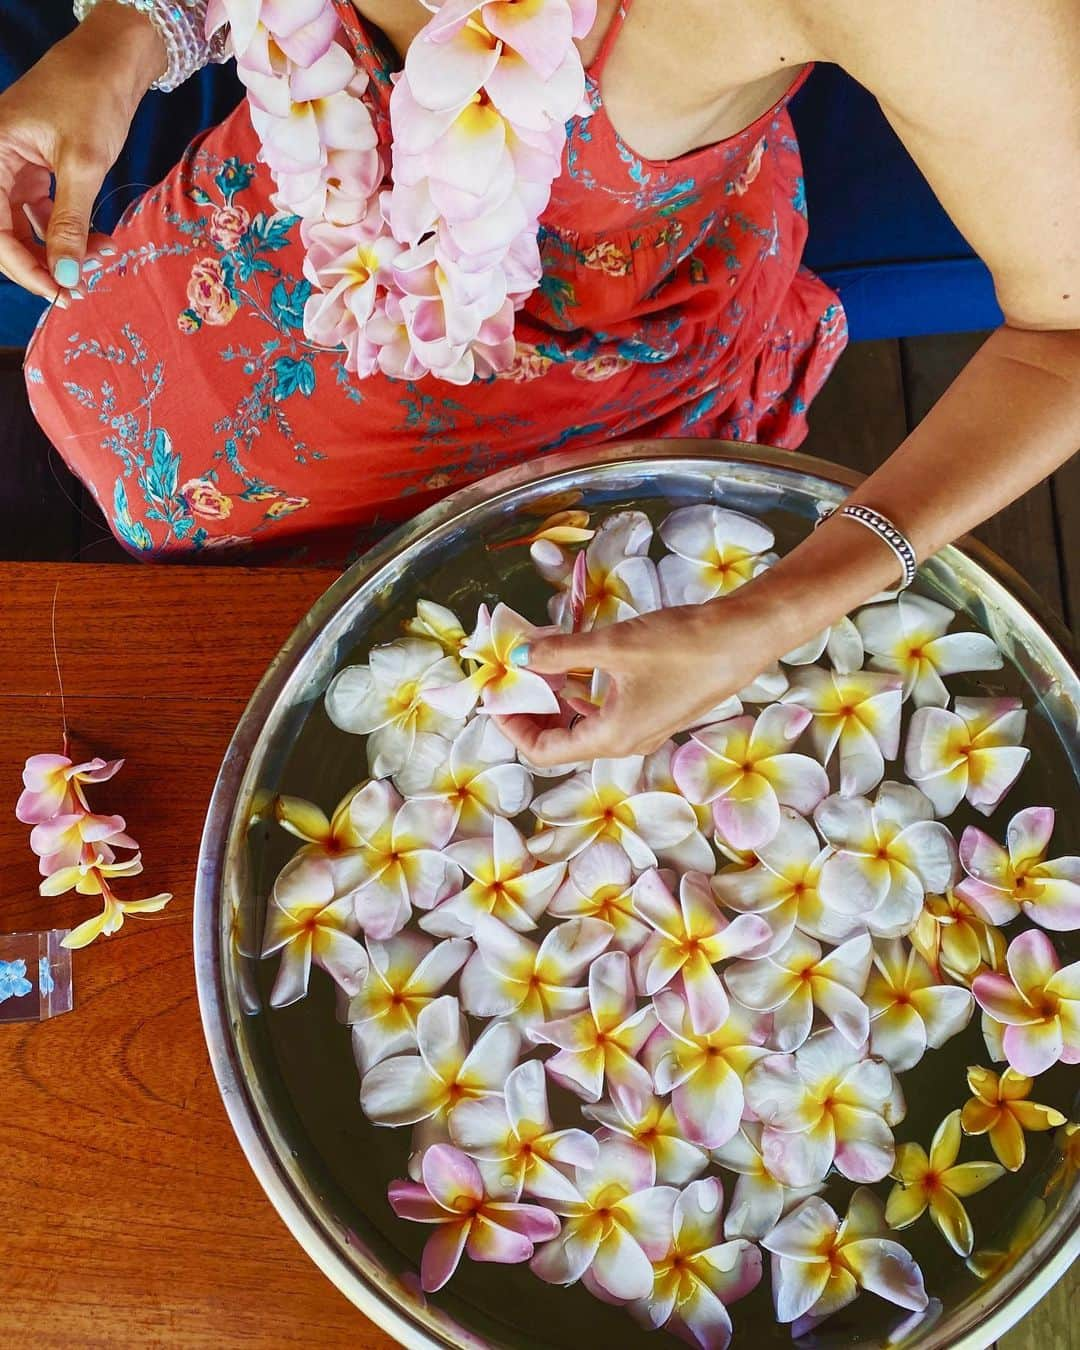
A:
{"x": 886, "y": 531}
{"x": 182, "y": 25}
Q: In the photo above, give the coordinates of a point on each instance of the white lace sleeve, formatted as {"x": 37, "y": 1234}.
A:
{"x": 182, "y": 25}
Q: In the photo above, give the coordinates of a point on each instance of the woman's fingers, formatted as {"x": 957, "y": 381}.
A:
{"x": 18, "y": 258}
{"x": 78, "y": 181}
{"x": 565, "y": 652}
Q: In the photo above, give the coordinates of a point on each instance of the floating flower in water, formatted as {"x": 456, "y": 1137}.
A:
{"x": 797, "y": 978}
{"x": 477, "y": 774}
{"x": 909, "y": 638}
{"x": 1002, "y": 882}
{"x": 649, "y": 1121}
{"x": 759, "y": 1201}
{"x": 841, "y": 644}
{"x": 327, "y": 835}
{"x": 744, "y": 767}
{"x": 694, "y": 853}
{"x": 613, "y": 579}
{"x": 309, "y": 921}
{"x": 452, "y": 1196}
{"x": 973, "y": 752}
{"x": 950, "y": 936}
{"x": 1038, "y": 1002}
{"x": 52, "y": 786}
{"x": 564, "y": 527}
{"x": 1000, "y": 1110}
{"x": 436, "y": 623}
{"x": 856, "y": 716}
{"x": 1067, "y": 1142}
{"x": 92, "y": 878}
{"x": 599, "y": 885}
{"x": 990, "y": 1263}
{"x": 713, "y": 551}
{"x": 821, "y": 1264}
{"x": 909, "y": 1009}
{"x": 67, "y": 840}
{"x": 938, "y": 1183}
{"x": 496, "y": 683}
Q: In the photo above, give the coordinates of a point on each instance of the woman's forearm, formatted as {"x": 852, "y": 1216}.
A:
{"x": 128, "y": 46}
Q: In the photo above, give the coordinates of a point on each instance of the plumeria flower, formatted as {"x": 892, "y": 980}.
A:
{"x": 745, "y": 768}
{"x": 67, "y": 840}
{"x": 387, "y": 700}
{"x": 600, "y": 1044}
{"x": 509, "y": 976}
{"x": 887, "y": 856}
{"x": 1038, "y": 1002}
{"x": 797, "y": 978}
{"x": 477, "y": 774}
{"x": 599, "y": 885}
{"x": 856, "y": 717}
{"x": 435, "y": 623}
{"x": 950, "y": 936}
{"x": 52, "y": 786}
{"x": 496, "y": 683}
{"x": 563, "y": 527}
{"x": 828, "y": 1103}
{"x": 713, "y": 551}
{"x": 308, "y": 921}
{"x": 938, "y": 1183}
{"x": 689, "y": 937}
{"x": 322, "y": 834}
{"x": 613, "y": 579}
{"x": 649, "y": 1121}
{"x": 606, "y": 803}
{"x": 615, "y": 1227}
{"x": 505, "y": 882}
{"x": 820, "y": 1264}
{"x": 909, "y": 638}
{"x": 1067, "y": 1144}
{"x": 694, "y": 853}
{"x": 759, "y": 1201}
{"x": 841, "y": 643}
{"x": 972, "y": 752}
{"x": 92, "y": 877}
{"x": 514, "y": 1143}
{"x": 405, "y": 974}
{"x": 452, "y": 1196}
{"x": 910, "y": 1009}
{"x": 1000, "y": 1110}
{"x": 704, "y": 1072}
{"x": 992, "y": 1263}
{"x": 1002, "y": 882}
{"x": 699, "y": 1275}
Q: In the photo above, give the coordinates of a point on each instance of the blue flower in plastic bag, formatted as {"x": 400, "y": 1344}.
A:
{"x": 13, "y": 981}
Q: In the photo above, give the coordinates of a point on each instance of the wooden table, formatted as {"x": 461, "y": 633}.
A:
{"x": 129, "y": 1214}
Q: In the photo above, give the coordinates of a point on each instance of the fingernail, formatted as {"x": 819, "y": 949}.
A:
{"x": 520, "y": 655}
{"x": 66, "y": 273}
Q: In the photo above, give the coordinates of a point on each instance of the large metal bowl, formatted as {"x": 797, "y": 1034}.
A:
{"x": 287, "y": 1077}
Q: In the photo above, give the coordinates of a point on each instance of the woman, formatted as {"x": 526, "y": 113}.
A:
{"x": 181, "y": 387}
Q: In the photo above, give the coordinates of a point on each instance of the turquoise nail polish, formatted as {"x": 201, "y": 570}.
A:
{"x": 67, "y": 273}
{"x": 520, "y": 655}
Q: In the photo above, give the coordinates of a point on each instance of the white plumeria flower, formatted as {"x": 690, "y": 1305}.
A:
{"x": 910, "y": 1009}
{"x": 518, "y": 1150}
{"x": 606, "y": 802}
{"x": 972, "y": 752}
{"x": 887, "y": 857}
{"x": 615, "y": 1227}
{"x": 797, "y": 978}
{"x": 910, "y": 639}
{"x": 699, "y": 1275}
{"x": 405, "y": 974}
{"x": 599, "y": 885}
{"x": 856, "y": 717}
{"x": 820, "y": 1264}
{"x": 704, "y": 1073}
{"x": 745, "y": 769}
{"x": 767, "y": 687}
{"x": 477, "y": 774}
{"x": 496, "y": 683}
{"x": 759, "y": 1201}
{"x": 690, "y": 936}
{"x": 694, "y": 853}
{"x": 600, "y": 1044}
{"x": 649, "y": 1121}
{"x": 613, "y": 579}
{"x": 308, "y": 921}
{"x": 506, "y": 882}
{"x": 436, "y": 623}
{"x": 386, "y": 700}
{"x": 713, "y": 551}
{"x": 828, "y": 1103}
{"x": 1003, "y": 882}
{"x": 841, "y": 643}
{"x": 509, "y": 976}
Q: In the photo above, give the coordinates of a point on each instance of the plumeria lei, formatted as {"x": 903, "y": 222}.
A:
{"x": 636, "y": 1019}
{"x": 418, "y": 252}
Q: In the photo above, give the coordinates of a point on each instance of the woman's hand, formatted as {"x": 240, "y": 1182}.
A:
{"x": 69, "y": 116}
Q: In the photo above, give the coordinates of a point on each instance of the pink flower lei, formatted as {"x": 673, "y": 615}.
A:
{"x": 417, "y": 266}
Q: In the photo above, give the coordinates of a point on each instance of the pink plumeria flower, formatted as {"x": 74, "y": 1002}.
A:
{"x": 452, "y": 1196}
{"x": 649, "y": 1121}
{"x": 616, "y": 581}
{"x": 909, "y": 638}
{"x": 713, "y": 551}
{"x": 436, "y": 623}
{"x": 856, "y": 717}
{"x": 614, "y": 1228}
{"x": 759, "y": 1201}
{"x": 694, "y": 853}
{"x": 1038, "y": 1002}
{"x": 690, "y": 936}
{"x": 52, "y": 786}
{"x": 308, "y": 921}
{"x": 509, "y": 976}
{"x": 704, "y": 1072}
{"x": 515, "y": 1144}
{"x": 700, "y": 1274}
{"x": 67, "y": 840}
{"x": 347, "y": 265}
{"x": 606, "y": 803}
{"x": 601, "y": 1044}
{"x": 887, "y": 856}
{"x": 821, "y": 1263}
{"x": 301, "y": 29}
{"x": 911, "y": 1009}
{"x": 972, "y": 752}
{"x": 496, "y": 682}
{"x": 599, "y": 885}
{"x": 477, "y": 774}
{"x": 405, "y": 974}
{"x": 797, "y": 979}
{"x": 387, "y": 700}
{"x": 505, "y": 882}
{"x": 841, "y": 643}
{"x": 1002, "y": 882}
{"x": 828, "y": 1103}
{"x": 745, "y": 768}
{"x": 92, "y": 877}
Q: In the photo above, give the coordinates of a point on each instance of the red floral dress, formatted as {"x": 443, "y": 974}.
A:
{"x": 183, "y": 392}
